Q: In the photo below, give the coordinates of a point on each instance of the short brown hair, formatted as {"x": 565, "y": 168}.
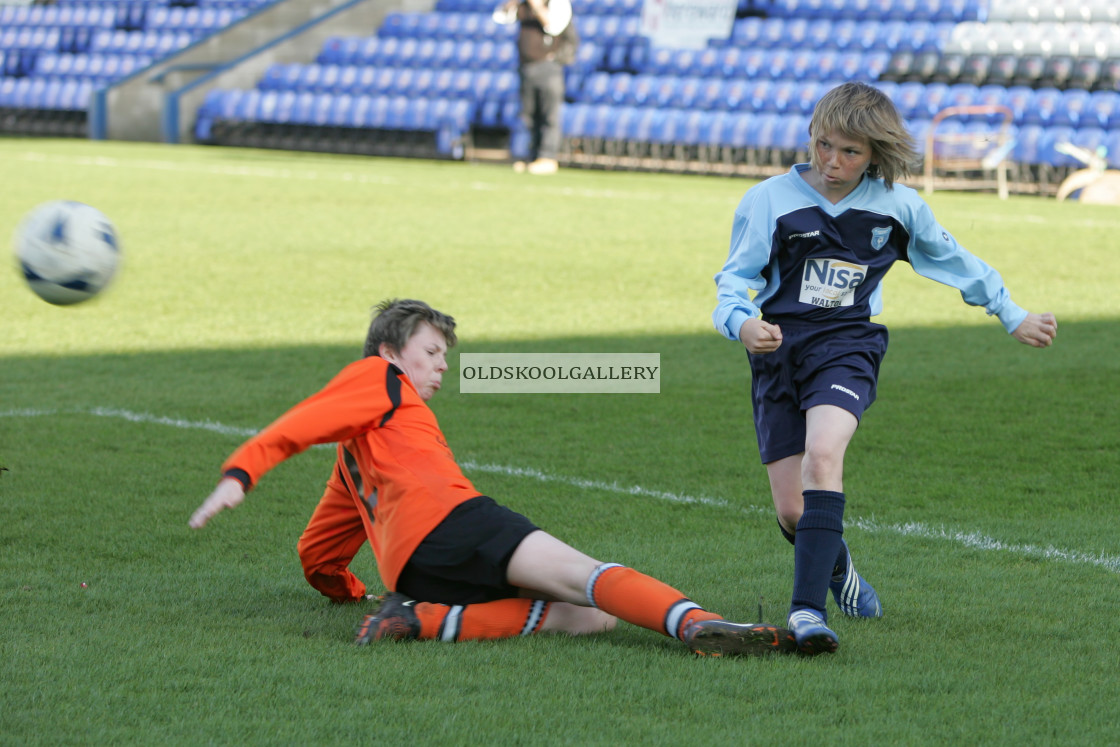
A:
{"x": 395, "y": 321}
{"x": 862, "y": 112}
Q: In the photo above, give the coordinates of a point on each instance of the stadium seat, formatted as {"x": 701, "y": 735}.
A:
{"x": 1074, "y": 110}
{"x": 1086, "y": 72}
{"x": 685, "y": 93}
{"x": 899, "y": 68}
{"x": 960, "y": 94}
{"x": 1019, "y": 99}
{"x": 991, "y": 95}
{"x": 1029, "y": 70}
{"x": 1056, "y": 72}
{"x": 711, "y": 94}
{"x": 1044, "y": 107}
{"x": 1113, "y": 146}
{"x": 1048, "y": 152}
{"x": 1104, "y": 107}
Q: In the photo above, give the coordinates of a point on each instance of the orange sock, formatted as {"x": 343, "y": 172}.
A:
{"x": 643, "y": 600}
{"x": 504, "y": 618}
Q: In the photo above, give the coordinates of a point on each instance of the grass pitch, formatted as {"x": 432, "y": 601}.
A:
{"x": 981, "y": 486}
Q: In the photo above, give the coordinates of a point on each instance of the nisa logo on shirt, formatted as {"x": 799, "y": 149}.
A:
{"x": 829, "y": 283}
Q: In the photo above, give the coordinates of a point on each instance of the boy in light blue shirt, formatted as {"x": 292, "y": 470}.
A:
{"x": 809, "y": 250}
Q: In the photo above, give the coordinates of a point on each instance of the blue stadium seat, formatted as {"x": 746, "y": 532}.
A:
{"x": 960, "y": 94}
{"x": 712, "y": 94}
{"x": 747, "y": 32}
{"x": 908, "y": 98}
{"x": 806, "y": 96}
{"x": 735, "y": 94}
{"x": 1104, "y": 107}
{"x": 685, "y": 91}
{"x": 991, "y": 95}
{"x": 758, "y": 96}
{"x": 824, "y": 65}
{"x": 802, "y": 64}
{"x": 1113, "y": 145}
{"x": 642, "y": 90}
{"x": 762, "y": 130}
{"x": 596, "y": 88}
{"x": 736, "y": 129}
{"x": 793, "y": 133}
{"x": 617, "y": 88}
{"x": 1044, "y": 106}
{"x": 347, "y": 79}
{"x": 1027, "y": 140}
{"x": 1048, "y": 152}
{"x": 1090, "y": 138}
{"x": 1074, "y": 109}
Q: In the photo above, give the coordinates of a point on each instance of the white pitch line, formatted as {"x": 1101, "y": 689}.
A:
{"x": 973, "y": 540}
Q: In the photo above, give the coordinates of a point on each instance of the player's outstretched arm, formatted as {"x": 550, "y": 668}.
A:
{"x": 1037, "y": 330}
{"x": 228, "y": 494}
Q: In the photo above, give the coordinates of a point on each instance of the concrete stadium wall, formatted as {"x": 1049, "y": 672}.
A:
{"x": 158, "y": 104}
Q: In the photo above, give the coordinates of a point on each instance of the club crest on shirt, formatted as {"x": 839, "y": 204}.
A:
{"x": 879, "y": 237}
{"x": 830, "y": 283}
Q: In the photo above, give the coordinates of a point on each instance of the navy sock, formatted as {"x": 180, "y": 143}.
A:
{"x": 819, "y": 540}
{"x": 841, "y": 561}
{"x": 786, "y": 533}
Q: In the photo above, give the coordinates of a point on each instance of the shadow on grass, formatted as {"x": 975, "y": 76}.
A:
{"x": 953, "y": 402}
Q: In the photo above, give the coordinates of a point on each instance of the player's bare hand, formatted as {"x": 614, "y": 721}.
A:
{"x": 760, "y": 337}
{"x": 228, "y": 494}
{"x": 1037, "y": 330}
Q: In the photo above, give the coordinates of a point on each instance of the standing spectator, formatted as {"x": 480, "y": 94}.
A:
{"x": 545, "y": 43}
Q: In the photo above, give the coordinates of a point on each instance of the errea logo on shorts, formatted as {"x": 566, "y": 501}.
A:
{"x": 830, "y": 283}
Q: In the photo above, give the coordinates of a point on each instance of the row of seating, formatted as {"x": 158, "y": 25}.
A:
{"x": 448, "y": 118}
{"x": 97, "y": 66}
{"x": 45, "y": 93}
{"x": 1036, "y": 71}
{"x": 58, "y": 16}
{"x": 1043, "y": 106}
{"x": 249, "y": 4}
{"x": 428, "y": 53}
{"x": 389, "y": 81}
{"x": 952, "y": 11}
{"x": 790, "y": 33}
{"x": 204, "y": 20}
{"x": 998, "y": 37}
{"x": 702, "y": 94}
{"x": 1036, "y": 11}
{"x": 1046, "y": 106}
{"x": 152, "y": 43}
{"x": 580, "y": 8}
{"x": 1033, "y": 144}
{"x": 437, "y": 25}
{"x": 739, "y": 62}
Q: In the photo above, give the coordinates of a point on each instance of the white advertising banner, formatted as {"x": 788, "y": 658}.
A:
{"x": 687, "y": 24}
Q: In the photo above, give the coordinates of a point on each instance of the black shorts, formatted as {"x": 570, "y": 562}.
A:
{"x": 464, "y": 559}
{"x": 834, "y": 363}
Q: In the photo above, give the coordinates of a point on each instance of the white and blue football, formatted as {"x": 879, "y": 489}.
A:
{"x": 67, "y": 251}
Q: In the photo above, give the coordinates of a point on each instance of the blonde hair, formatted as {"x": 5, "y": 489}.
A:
{"x": 859, "y": 111}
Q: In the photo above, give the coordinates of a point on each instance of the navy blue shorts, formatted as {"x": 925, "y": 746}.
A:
{"x": 464, "y": 559}
{"x": 834, "y": 363}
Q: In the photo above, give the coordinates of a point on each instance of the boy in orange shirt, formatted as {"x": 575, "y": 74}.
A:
{"x": 458, "y": 565}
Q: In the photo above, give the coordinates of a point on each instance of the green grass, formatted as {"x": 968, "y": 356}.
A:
{"x": 981, "y": 485}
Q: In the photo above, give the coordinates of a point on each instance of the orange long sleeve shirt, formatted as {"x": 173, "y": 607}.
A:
{"x": 392, "y": 456}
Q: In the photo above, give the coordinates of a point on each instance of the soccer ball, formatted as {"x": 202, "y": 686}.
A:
{"x": 68, "y": 251}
